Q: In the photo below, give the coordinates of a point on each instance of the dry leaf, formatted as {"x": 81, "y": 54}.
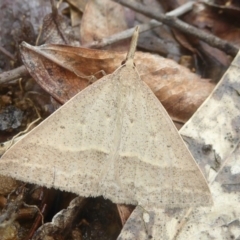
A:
{"x": 124, "y": 212}
{"x": 103, "y": 18}
{"x": 56, "y": 29}
{"x": 213, "y": 138}
{"x": 58, "y": 68}
{"x": 78, "y": 4}
{"x": 76, "y": 17}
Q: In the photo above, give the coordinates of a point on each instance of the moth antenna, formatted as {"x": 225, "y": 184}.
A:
{"x": 133, "y": 44}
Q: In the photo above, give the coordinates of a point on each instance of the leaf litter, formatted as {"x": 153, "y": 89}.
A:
{"x": 186, "y": 105}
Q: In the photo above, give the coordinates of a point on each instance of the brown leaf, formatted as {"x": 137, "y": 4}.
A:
{"x": 63, "y": 71}
{"x": 78, "y": 4}
{"x": 103, "y": 18}
{"x": 75, "y": 18}
{"x": 180, "y": 91}
{"x": 55, "y": 29}
{"x": 124, "y": 212}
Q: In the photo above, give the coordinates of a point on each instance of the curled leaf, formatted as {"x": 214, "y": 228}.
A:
{"x": 63, "y": 71}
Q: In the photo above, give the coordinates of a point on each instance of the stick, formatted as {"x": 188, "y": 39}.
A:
{"x": 182, "y": 26}
{"x": 13, "y": 74}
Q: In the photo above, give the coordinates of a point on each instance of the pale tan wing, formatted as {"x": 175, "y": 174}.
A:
{"x": 112, "y": 139}
{"x": 152, "y": 164}
{"x": 70, "y": 149}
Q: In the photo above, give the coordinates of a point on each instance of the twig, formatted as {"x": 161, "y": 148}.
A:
{"x": 181, "y": 10}
{"x": 122, "y": 35}
{"x": 142, "y": 28}
{"x": 37, "y": 222}
{"x": 7, "y": 53}
{"x": 182, "y": 26}
{"x": 13, "y": 74}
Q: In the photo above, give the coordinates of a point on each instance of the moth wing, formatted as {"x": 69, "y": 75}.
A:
{"x": 154, "y": 165}
{"x": 69, "y": 149}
